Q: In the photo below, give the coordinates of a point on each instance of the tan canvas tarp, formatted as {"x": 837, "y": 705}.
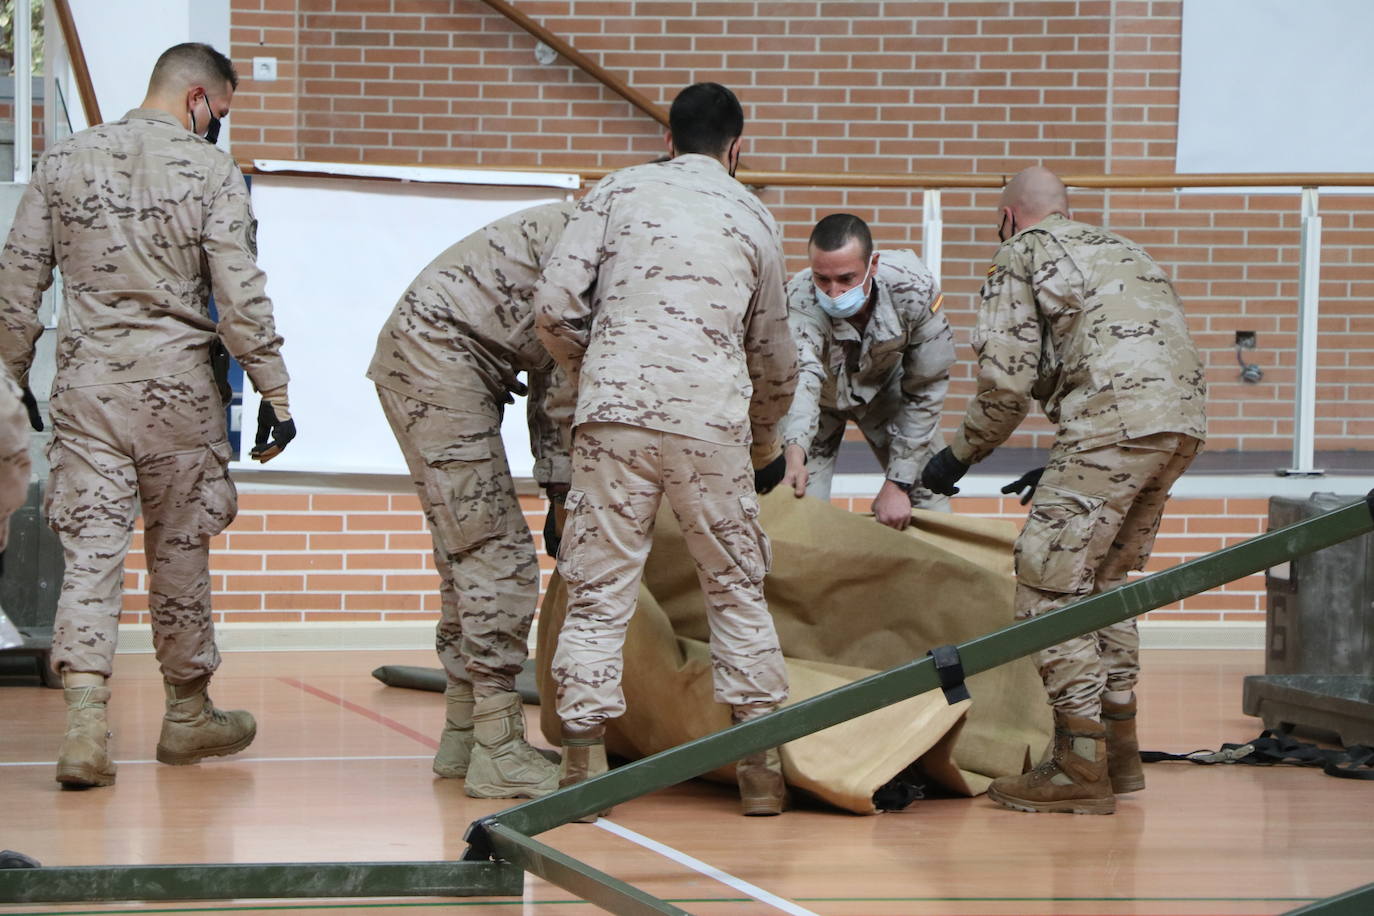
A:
{"x": 849, "y": 597}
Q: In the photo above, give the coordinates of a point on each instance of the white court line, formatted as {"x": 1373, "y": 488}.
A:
{"x": 753, "y": 890}
{"x": 53, "y": 763}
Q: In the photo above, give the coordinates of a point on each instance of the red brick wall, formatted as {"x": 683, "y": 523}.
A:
{"x": 1084, "y": 86}
{"x": 938, "y": 86}
{"x": 335, "y": 557}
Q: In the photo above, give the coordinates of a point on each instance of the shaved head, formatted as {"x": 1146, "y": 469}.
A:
{"x": 1034, "y": 194}
{"x": 185, "y": 66}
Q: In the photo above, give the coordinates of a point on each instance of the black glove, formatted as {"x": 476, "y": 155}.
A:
{"x": 942, "y": 471}
{"x": 31, "y": 405}
{"x": 770, "y": 475}
{"x": 272, "y": 436}
{"x": 1028, "y": 482}
{"x": 552, "y": 540}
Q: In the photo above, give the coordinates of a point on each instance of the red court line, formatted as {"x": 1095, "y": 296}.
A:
{"x": 363, "y": 711}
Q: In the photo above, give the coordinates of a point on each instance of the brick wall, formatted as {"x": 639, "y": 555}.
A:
{"x": 337, "y": 557}
{"x": 1085, "y": 86}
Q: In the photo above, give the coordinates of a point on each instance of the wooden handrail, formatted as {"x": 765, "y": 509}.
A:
{"x": 937, "y": 180}
{"x": 84, "y": 87}
{"x": 591, "y": 67}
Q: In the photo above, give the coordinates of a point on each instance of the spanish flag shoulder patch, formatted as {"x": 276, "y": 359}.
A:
{"x": 939, "y": 301}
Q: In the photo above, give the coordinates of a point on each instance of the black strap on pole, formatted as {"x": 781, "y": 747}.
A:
{"x": 951, "y": 671}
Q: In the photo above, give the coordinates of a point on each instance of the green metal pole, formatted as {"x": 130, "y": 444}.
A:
{"x": 1359, "y": 902}
{"x": 266, "y": 880}
{"x": 681, "y": 763}
{"x": 593, "y": 886}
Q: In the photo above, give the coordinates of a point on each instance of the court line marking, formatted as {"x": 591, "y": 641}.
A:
{"x": 53, "y": 763}
{"x": 710, "y": 871}
{"x": 363, "y": 711}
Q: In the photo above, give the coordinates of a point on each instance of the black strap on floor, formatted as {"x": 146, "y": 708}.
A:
{"x": 1273, "y": 748}
{"x": 950, "y": 668}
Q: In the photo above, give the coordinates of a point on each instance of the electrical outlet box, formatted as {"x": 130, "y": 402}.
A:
{"x": 1245, "y": 340}
{"x": 264, "y": 69}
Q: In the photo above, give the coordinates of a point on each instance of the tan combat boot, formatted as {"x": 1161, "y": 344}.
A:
{"x": 762, "y": 791}
{"x": 84, "y": 760}
{"x": 194, "y": 729}
{"x": 455, "y": 744}
{"x": 584, "y": 756}
{"x": 503, "y": 765}
{"x": 1123, "y": 750}
{"x": 1072, "y": 779}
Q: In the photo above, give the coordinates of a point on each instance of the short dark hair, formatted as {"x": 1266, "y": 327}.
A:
{"x": 191, "y": 62}
{"x": 705, "y": 118}
{"x": 834, "y": 232}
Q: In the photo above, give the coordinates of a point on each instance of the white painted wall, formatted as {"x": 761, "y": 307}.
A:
{"x": 1276, "y": 86}
{"x": 123, "y": 38}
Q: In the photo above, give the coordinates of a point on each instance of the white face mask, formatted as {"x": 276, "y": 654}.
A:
{"x": 847, "y": 303}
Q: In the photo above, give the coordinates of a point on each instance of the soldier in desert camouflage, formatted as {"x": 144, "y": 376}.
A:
{"x": 14, "y": 471}
{"x": 145, "y": 219}
{"x": 1083, "y": 321}
{"x": 873, "y": 347}
{"x": 664, "y": 303}
{"x": 446, "y": 365}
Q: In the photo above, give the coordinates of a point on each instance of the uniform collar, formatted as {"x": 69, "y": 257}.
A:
{"x": 153, "y": 114}
{"x": 697, "y": 162}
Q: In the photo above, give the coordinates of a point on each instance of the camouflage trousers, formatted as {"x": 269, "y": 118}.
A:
{"x": 825, "y": 447}
{"x": 620, "y": 474}
{"x": 1093, "y": 520}
{"x": 488, "y": 572}
{"x": 161, "y": 445}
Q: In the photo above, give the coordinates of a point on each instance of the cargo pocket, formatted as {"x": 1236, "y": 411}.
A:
{"x": 572, "y": 549}
{"x": 466, "y": 506}
{"x": 744, "y": 540}
{"x": 55, "y": 507}
{"x": 1059, "y": 537}
{"x": 219, "y": 498}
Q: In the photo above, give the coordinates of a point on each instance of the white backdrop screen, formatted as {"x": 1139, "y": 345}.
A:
{"x": 338, "y": 254}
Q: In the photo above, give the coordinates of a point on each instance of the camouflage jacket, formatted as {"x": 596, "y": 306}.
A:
{"x": 664, "y": 303}
{"x": 1083, "y": 321}
{"x": 896, "y": 370}
{"x": 145, "y": 220}
{"x": 14, "y": 452}
{"x": 464, "y": 330}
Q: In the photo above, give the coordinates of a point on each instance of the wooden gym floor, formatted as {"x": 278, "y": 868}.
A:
{"x": 340, "y": 772}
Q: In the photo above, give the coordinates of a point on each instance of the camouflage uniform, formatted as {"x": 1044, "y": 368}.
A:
{"x": 664, "y": 303}
{"x": 1086, "y": 323}
{"x": 14, "y": 452}
{"x": 144, "y": 219}
{"x": 446, "y": 364}
{"x": 890, "y": 378}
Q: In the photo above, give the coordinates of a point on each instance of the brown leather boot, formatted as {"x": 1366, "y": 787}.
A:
{"x": 1123, "y": 750}
{"x": 455, "y": 743}
{"x": 194, "y": 729}
{"x": 584, "y": 756}
{"x": 84, "y": 760}
{"x": 1072, "y": 779}
{"x": 762, "y": 791}
{"x": 503, "y": 764}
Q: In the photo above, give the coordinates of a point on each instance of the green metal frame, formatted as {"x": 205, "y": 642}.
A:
{"x": 1359, "y": 902}
{"x": 277, "y": 880}
{"x": 501, "y": 846}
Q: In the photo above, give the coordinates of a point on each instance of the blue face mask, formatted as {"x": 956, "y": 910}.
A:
{"x": 847, "y": 303}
